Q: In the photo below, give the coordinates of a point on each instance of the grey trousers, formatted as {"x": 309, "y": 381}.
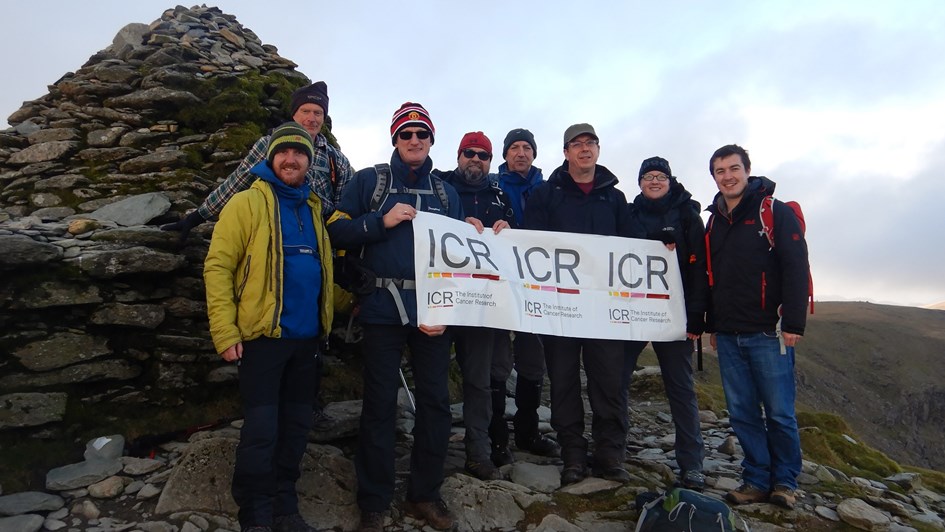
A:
{"x": 483, "y": 357}
{"x": 675, "y": 359}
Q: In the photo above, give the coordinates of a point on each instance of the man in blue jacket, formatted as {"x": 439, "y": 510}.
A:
{"x": 757, "y": 315}
{"x": 382, "y": 227}
{"x": 518, "y": 177}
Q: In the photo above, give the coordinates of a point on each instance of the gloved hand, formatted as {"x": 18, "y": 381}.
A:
{"x": 695, "y": 323}
{"x": 666, "y": 237}
{"x": 185, "y": 224}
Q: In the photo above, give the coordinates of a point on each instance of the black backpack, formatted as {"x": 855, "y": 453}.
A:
{"x": 682, "y": 510}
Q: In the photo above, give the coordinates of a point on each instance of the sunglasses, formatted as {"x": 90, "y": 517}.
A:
{"x": 483, "y": 155}
{"x": 407, "y": 135}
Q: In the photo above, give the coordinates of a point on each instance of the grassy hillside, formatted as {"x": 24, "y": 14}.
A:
{"x": 881, "y": 368}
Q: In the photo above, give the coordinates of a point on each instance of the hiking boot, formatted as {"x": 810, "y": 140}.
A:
{"x": 483, "y": 470}
{"x": 291, "y": 523}
{"x": 746, "y": 494}
{"x": 371, "y": 522}
{"x": 573, "y": 475}
{"x": 783, "y": 496}
{"x": 614, "y": 472}
{"x": 539, "y": 445}
{"x": 435, "y": 513}
{"x": 502, "y": 455}
{"x": 321, "y": 421}
{"x": 692, "y": 480}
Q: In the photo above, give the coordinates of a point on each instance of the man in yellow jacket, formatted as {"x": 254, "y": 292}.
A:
{"x": 268, "y": 277}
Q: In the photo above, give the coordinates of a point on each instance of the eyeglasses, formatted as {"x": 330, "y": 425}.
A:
{"x": 658, "y": 177}
{"x": 590, "y": 143}
{"x": 483, "y": 155}
{"x": 423, "y": 134}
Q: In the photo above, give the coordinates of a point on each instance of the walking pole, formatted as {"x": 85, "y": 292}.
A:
{"x": 699, "y": 352}
{"x": 403, "y": 380}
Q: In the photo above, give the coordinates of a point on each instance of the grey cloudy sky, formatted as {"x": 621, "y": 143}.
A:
{"x": 841, "y": 103}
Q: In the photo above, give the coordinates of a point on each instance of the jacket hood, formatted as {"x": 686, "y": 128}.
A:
{"x": 293, "y": 194}
{"x": 602, "y": 177}
{"x": 509, "y": 177}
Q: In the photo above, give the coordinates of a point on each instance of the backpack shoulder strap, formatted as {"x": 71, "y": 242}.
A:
{"x": 766, "y": 216}
{"x": 708, "y": 249}
{"x": 381, "y": 187}
{"x": 331, "y": 167}
{"x": 440, "y": 191}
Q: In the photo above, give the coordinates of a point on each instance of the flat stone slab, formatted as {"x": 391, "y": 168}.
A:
{"x": 29, "y": 501}
{"x": 81, "y": 475}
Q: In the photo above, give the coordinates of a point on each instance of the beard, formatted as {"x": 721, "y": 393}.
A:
{"x": 284, "y": 174}
{"x": 473, "y": 174}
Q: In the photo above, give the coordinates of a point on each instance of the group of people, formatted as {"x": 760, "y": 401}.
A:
{"x": 294, "y": 202}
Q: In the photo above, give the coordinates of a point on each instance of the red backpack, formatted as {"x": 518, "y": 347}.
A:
{"x": 766, "y": 215}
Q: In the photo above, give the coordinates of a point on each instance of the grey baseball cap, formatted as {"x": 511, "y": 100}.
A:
{"x": 578, "y": 129}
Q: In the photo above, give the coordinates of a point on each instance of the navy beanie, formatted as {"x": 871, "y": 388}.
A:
{"x": 316, "y": 93}
{"x": 654, "y": 163}
{"x": 516, "y": 135}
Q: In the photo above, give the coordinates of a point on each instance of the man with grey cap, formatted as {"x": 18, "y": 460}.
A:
{"x": 581, "y": 197}
{"x": 518, "y": 177}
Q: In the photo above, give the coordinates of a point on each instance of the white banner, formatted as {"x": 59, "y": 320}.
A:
{"x": 562, "y": 284}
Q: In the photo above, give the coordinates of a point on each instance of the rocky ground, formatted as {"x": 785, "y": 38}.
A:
{"x": 184, "y": 486}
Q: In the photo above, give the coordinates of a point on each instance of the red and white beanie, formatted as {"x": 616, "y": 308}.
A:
{"x": 410, "y": 114}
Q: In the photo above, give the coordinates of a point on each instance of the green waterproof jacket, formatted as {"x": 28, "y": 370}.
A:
{"x": 243, "y": 269}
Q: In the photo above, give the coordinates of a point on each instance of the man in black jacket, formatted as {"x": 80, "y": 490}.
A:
{"x": 757, "y": 315}
{"x": 581, "y": 197}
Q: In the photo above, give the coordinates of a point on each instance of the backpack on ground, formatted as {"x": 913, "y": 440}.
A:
{"x": 682, "y": 510}
{"x": 766, "y": 217}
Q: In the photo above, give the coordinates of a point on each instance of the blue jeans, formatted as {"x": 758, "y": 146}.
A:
{"x": 759, "y": 391}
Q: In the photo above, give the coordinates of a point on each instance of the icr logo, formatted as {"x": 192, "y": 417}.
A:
{"x": 532, "y": 308}
{"x": 620, "y": 315}
{"x": 440, "y": 299}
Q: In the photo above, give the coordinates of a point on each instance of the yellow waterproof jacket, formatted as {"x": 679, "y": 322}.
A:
{"x": 243, "y": 269}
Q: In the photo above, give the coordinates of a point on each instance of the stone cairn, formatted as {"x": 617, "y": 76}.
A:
{"x": 99, "y": 306}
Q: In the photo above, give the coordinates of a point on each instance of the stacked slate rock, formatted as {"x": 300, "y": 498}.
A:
{"x": 97, "y": 305}
{"x": 184, "y": 486}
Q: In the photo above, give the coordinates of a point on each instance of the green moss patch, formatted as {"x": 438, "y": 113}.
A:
{"x": 826, "y": 439}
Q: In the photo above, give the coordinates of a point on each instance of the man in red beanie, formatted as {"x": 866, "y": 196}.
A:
{"x": 484, "y": 354}
{"x": 380, "y": 226}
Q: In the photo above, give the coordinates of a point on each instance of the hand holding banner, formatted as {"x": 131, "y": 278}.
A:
{"x": 562, "y": 284}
